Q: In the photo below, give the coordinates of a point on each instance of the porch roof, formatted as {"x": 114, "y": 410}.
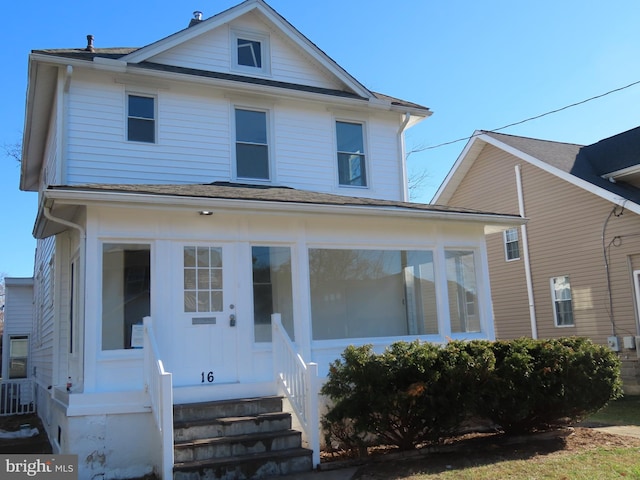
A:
{"x": 66, "y": 198}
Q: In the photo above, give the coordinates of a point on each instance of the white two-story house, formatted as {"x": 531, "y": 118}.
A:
{"x": 206, "y": 181}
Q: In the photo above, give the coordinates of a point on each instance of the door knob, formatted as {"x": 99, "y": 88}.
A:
{"x": 232, "y": 320}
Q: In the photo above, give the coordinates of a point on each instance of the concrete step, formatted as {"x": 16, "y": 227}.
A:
{"x": 253, "y": 466}
{"x": 229, "y": 426}
{"x": 224, "y": 447}
{"x": 226, "y": 408}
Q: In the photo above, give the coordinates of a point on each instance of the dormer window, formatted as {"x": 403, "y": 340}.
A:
{"x": 250, "y": 52}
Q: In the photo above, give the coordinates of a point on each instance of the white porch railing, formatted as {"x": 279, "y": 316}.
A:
{"x": 17, "y": 397}
{"x": 159, "y": 385}
{"x": 299, "y": 382}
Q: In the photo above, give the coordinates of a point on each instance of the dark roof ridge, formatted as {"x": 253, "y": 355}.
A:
{"x": 491, "y": 132}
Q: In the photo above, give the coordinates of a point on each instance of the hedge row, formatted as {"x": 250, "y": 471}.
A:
{"x": 416, "y": 393}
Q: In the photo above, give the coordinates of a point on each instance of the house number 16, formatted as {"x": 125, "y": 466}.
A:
{"x": 208, "y": 377}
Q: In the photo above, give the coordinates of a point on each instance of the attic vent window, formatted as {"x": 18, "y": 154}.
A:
{"x": 250, "y": 53}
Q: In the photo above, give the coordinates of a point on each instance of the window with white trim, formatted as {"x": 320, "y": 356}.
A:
{"x": 562, "y": 305}
{"x": 203, "y": 279}
{"x": 18, "y": 356}
{"x": 141, "y": 118}
{"x": 250, "y": 52}
{"x": 126, "y": 293}
{"x": 511, "y": 244}
{"x": 352, "y": 170}
{"x": 252, "y": 146}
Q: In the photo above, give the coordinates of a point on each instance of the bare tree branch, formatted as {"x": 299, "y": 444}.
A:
{"x": 13, "y": 150}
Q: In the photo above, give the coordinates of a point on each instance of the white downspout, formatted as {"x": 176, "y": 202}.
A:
{"x": 82, "y": 270}
{"x": 401, "y": 153}
{"x": 525, "y": 251}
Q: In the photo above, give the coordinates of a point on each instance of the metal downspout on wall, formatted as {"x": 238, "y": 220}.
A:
{"x": 83, "y": 240}
{"x": 401, "y": 147}
{"x": 525, "y": 251}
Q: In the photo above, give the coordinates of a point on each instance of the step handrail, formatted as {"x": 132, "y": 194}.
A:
{"x": 159, "y": 385}
{"x": 298, "y": 380}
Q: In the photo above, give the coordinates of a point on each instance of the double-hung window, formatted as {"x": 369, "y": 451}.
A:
{"x": 562, "y": 305}
{"x": 141, "y": 119}
{"x": 351, "y": 155}
{"x": 18, "y": 356}
{"x": 252, "y": 147}
{"x": 511, "y": 244}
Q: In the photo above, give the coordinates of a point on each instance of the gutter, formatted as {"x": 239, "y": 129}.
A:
{"x": 527, "y": 260}
{"x": 174, "y": 202}
{"x": 46, "y": 210}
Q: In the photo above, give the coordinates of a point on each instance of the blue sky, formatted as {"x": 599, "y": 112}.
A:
{"x": 477, "y": 65}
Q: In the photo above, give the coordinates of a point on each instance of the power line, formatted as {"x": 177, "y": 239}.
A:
{"x": 431, "y": 147}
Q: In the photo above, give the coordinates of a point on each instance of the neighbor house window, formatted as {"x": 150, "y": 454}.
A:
{"x": 562, "y": 307}
{"x": 126, "y": 293}
{"x": 203, "y": 279}
{"x": 511, "y": 244}
{"x": 18, "y": 356}
{"x": 252, "y": 149}
{"x": 351, "y": 155}
{"x": 272, "y": 290}
{"x": 462, "y": 289}
{"x": 141, "y": 123}
{"x": 251, "y": 52}
{"x": 372, "y": 293}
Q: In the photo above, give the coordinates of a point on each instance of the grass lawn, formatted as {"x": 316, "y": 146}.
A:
{"x": 624, "y": 411}
{"x": 586, "y": 455}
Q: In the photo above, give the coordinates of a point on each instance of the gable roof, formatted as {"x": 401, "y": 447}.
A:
{"x": 582, "y": 166}
{"x": 256, "y": 198}
{"x": 44, "y": 66}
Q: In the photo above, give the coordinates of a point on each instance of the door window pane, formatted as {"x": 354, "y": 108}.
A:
{"x": 203, "y": 280}
{"x": 126, "y": 299}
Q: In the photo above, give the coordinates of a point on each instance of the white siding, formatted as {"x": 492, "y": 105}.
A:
{"x": 195, "y": 144}
{"x": 212, "y": 52}
{"x": 42, "y": 338}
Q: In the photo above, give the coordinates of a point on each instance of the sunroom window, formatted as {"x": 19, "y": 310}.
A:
{"x": 462, "y": 290}
{"x": 372, "y": 293}
{"x": 272, "y": 290}
{"x": 126, "y": 299}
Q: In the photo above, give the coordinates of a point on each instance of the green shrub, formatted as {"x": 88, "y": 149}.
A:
{"x": 538, "y": 384}
{"x": 411, "y": 393}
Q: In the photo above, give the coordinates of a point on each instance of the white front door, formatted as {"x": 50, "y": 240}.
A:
{"x": 205, "y": 340}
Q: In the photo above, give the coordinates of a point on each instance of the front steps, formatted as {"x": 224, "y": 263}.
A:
{"x": 236, "y": 440}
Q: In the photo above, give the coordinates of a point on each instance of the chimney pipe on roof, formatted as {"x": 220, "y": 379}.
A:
{"x": 197, "y": 18}
{"x": 89, "y": 47}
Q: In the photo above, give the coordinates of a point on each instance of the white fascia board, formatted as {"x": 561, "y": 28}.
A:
{"x": 216, "y": 21}
{"x": 188, "y": 33}
{"x": 624, "y": 172}
{"x": 18, "y": 281}
{"x": 171, "y": 202}
{"x": 567, "y": 177}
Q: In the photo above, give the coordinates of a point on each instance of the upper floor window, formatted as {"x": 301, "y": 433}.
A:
{"x": 511, "y": 244}
{"x": 351, "y": 155}
{"x": 251, "y": 52}
{"x": 252, "y": 148}
{"x": 562, "y": 306}
{"x": 141, "y": 119}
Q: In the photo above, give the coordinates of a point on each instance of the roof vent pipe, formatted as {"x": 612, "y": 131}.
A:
{"x": 197, "y": 18}
{"x": 89, "y": 47}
